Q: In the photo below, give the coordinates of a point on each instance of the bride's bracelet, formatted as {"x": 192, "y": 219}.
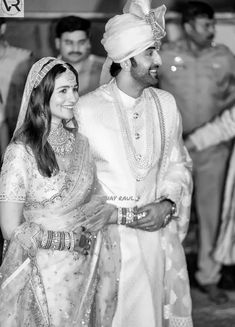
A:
{"x": 65, "y": 241}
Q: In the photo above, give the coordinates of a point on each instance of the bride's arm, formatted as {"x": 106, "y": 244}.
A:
{"x": 10, "y": 217}
{"x": 32, "y": 236}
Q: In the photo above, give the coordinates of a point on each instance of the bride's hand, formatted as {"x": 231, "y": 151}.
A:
{"x": 83, "y": 241}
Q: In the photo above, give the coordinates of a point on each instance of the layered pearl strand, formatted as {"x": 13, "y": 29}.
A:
{"x": 139, "y": 164}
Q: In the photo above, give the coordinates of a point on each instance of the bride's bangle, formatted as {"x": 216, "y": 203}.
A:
{"x": 56, "y": 240}
{"x": 72, "y": 242}
{"x": 66, "y": 241}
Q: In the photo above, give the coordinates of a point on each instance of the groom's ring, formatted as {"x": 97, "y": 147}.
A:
{"x": 141, "y": 215}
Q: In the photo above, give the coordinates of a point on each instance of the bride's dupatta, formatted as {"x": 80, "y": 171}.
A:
{"x": 21, "y": 286}
{"x": 22, "y": 292}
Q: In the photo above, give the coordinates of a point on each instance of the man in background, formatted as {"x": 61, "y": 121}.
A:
{"x": 74, "y": 46}
{"x": 14, "y": 66}
{"x": 201, "y": 76}
{"x": 4, "y": 137}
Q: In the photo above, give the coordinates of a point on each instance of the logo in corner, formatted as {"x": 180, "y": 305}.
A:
{"x": 12, "y": 8}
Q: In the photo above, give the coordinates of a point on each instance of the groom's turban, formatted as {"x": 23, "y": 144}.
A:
{"x": 134, "y": 31}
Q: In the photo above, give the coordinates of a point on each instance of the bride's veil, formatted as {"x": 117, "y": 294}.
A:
{"x": 35, "y": 76}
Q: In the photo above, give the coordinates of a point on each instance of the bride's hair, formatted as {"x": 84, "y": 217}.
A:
{"x": 36, "y": 126}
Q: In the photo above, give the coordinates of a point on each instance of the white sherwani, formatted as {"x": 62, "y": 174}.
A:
{"x": 153, "y": 285}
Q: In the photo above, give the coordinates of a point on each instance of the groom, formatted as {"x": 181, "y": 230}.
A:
{"x": 134, "y": 131}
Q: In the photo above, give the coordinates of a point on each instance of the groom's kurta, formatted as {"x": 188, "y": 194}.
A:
{"x": 153, "y": 284}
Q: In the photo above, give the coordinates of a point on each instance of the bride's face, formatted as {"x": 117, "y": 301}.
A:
{"x": 64, "y": 97}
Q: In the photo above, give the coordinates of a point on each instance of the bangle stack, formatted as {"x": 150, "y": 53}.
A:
{"x": 57, "y": 240}
{"x": 66, "y": 241}
{"x": 127, "y": 215}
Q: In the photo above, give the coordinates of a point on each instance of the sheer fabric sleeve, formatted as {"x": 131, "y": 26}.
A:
{"x": 15, "y": 174}
{"x": 219, "y": 130}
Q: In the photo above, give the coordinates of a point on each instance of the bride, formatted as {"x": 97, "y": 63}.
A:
{"x": 52, "y": 209}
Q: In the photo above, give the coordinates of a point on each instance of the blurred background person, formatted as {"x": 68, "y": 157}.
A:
{"x": 14, "y": 67}
{"x": 221, "y": 129}
{"x": 4, "y": 137}
{"x": 74, "y": 46}
{"x": 201, "y": 76}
